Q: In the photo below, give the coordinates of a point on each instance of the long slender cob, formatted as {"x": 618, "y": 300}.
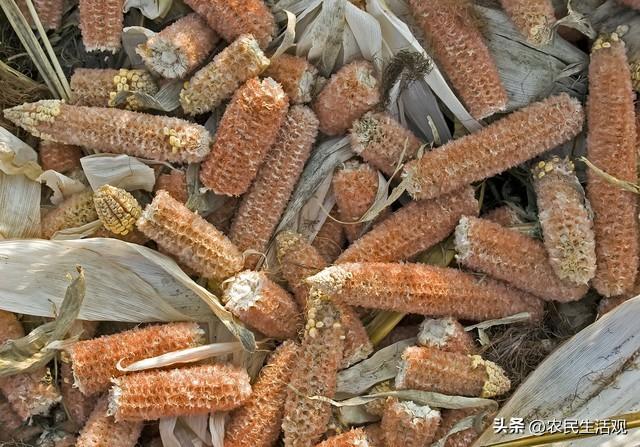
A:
{"x": 101, "y": 24}
{"x": 330, "y": 238}
{"x": 351, "y": 92}
{"x": 94, "y": 361}
{"x": 101, "y": 429}
{"x": 257, "y": 422}
{"x": 611, "y": 146}
{"x": 114, "y": 130}
{"x": 353, "y": 438}
{"x": 215, "y": 82}
{"x": 533, "y": 18}
{"x": 503, "y": 215}
{"x": 423, "y": 289}
{"x": 450, "y": 418}
{"x": 566, "y": 223}
{"x": 451, "y": 373}
{"x": 248, "y": 129}
{"x": 523, "y": 134}
{"x": 175, "y": 183}
{"x": 95, "y": 87}
{"x": 512, "y": 257}
{"x": 408, "y": 424}
{"x": 59, "y": 157}
{"x": 296, "y": 75}
{"x": 75, "y": 211}
{"x": 446, "y": 334}
{"x": 412, "y": 229}
{"x": 117, "y": 209}
{"x": 190, "y": 238}
{"x": 261, "y": 208}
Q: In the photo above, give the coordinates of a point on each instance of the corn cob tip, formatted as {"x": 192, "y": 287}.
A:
{"x": 117, "y": 209}
{"x": 30, "y": 115}
{"x": 497, "y": 382}
{"x": 606, "y": 41}
{"x": 446, "y": 334}
{"x": 330, "y": 280}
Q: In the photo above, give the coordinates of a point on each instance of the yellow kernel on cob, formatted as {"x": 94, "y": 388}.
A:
{"x": 94, "y": 361}
{"x": 101, "y": 430}
{"x": 446, "y": 334}
{"x": 175, "y": 183}
{"x": 191, "y": 239}
{"x": 118, "y": 131}
{"x": 96, "y": 87}
{"x": 503, "y": 215}
{"x": 380, "y": 140}
{"x": 179, "y": 48}
{"x": 184, "y": 391}
{"x": 117, "y": 209}
{"x": 257, "y": 422}
{"x": 408, "y": 424}
{"x": 512, "y": 257}
{"x": 231, "y": 18}
{"x": 229, "y": 69}
{"x": 523, "y": 134}
{"x": 296, "y": 75}
{"x": 331, "y": 237}
{"x": 450, "y": 373}
{"x": 533, "y": 18}
{"x": 566, "y": 223}
{"x": 263, "y": 205}
{"x": 355, "y": 437}
{"x": 611, "y": 146}
{"x": 349, "y": 94}
{"x": 62, "y": 158}
{"x": 101, "y": 24}
{"x": 247, "y": 131}
{"x": 450, "y": 418}
{"x": 412, "y": 229}
{"x": 75, "y": 211}
{"x": 423, "y": 289}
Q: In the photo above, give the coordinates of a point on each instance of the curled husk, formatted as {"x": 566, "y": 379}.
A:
{"x": 464, "y": 438}
{"x": 296, "y": 75}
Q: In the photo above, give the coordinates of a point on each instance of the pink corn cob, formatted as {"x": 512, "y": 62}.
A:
{"x": 330, "y": 238}
{"x": 533, "y": 18}
{"x": 101, "y": 24}
{"x": 353, "y": 438}
{"x": 445, "y": 334}
{"x": 59, "y": 157}
{"x": 102, "y": 430}
{"x": 407, "y": 424}
{"x": 296, "y": 75}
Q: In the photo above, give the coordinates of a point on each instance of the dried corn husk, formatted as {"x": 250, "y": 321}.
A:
{"x": 122, "y": 171}
{"x": 17, "y": 157}
{"x": 62, "y": 186}
{"x": 151, "y": 9}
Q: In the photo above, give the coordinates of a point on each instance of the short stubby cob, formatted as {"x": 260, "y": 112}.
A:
{"x": 353, "y": 438}
{"x": 512, "y": 257}
{"x": 351, "y": 92}
{"x": 101, "y": 24}
{"x": 247, "y": 131}
{"x": 94, "y": 361}
{"x": 330, "y": 238}
{"x": 113, "y": 130}
{"x": 216, "y": 81}
{"x": 408, "y": 424}
{"x": 96, "y": 87}
{"x": 117, "y": 209}
{"x": 523, "y": 134}
{"x": 446, "y": 334}
{"x": 533, "y": 18}
{"x": 62, "y": 158}
{"x": 102, "y": 430}
{"x": 175, "y": 183}
{"x": 296, "y": 75}
{"x": 460, "y": 50}
{"x": 191, "y": 239}
{"x": 611, "y": 146}
{"x": 75, "y": 211}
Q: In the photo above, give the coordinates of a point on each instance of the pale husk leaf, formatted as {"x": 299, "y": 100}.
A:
{"x": 62, "y": 186}
{"x": 19, "y": 207}
{"x": 288, "y": 36}
{"x": 122, "y": 171}
{"x": 17, "y": 157}
{"x": 151, "y": 9}
{"x": 132, "y": 36}
{"x": 167, "y": 99}
{"x": 85, "y": 230}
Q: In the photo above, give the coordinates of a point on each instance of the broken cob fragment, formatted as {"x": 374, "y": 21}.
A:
{"x": 75, "y": 211}
{"x": 460, "y": 50}
{"x": 408, "y": 424}
{"x": 175, "y": 183}
{"x": 533, "y": 18}
{"x": 350, "y": 93}
{"x": 296, "y": 75}
{"x": 355, "y": 437}
{"x": 523, "y": 134}
{"x": 247, "y": 131}
{"x": 117, "y": 209}
{"x": 451, "y": 373}
{"x": 97, "y": 87}
{"x": 261, "y": 208}
{"x": 114, "y": 130}
{"x": 257, "y": 422}
{"x": 446, "y": 334}
{"x": 503, "y": 215}
{"x": 216, "y": 81}
{"x": 184, "y": 391}
{"x": 101, "y": 24}
{"x": 330, "y": 238}
{"x": 191, "y": 239}
{"x": 102, "y": 430}
{"x": 611, "y": 146}
{"x": 62, "y": 158}
{"x": 450, "y": 418}
{"x": 94, "y": 361}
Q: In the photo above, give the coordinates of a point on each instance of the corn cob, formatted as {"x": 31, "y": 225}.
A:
{"x": 375, "y": 435}
{"x": 376, "y": 407}
{"x": 94, "y": 361}
{"x": 355, "y": 437}
{"x": 450, "y": 418}
{"x": 231, "y": 18}
{"x": 262, "y": 304}
{"x": 503, "y": 215}
{"x": 512, "y": 257}
{"x": 117, "y": 209}
{"x": 185, "y": 391}
{"x": 349, "y": 94}
{"x": 423, "y": 289}
{"x": 611, "y": 145}
{"x": 305, "y": 420}
{"x": 95, "y": 87}
{"x": 412, "y": 229}
{"x": 257, "y": 423}
{"x": 190, "y": 238}
{"x": 101, "y": 430}
{"x": 445, "y": 334}
{"x": 13, "y": 428}
{"x": 262, "y": 207}
{"x": 381, "y": 141}
{"x": 179, "y": 48}
{"x": 296, "y": 75}
{"x": 113, "y": 130}
{"x": 175, "y": 183}
{"x": 215, "y": 82}
{"x": 635, "y": 4}
{"x": 134, "y": 236}
{"x": 330, "y": 238}
{"x": 523, "y": 134}
{"x": 101, "y": 24}
{"x": 609, "y": 303}
{"x": 49, "y": 12}
{"x": 409, "y": 425}
{"x": 59, "y": 157}
{"x": 566, "y": 224}
{"x": 248, "y": 129}
{"x": 75, "y": 211}
{"x": 451, "y": 373}
{"x": 534, "y": 19}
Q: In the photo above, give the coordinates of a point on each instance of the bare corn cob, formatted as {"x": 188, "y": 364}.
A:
{"x": 445, "y": 334}
{"x": 113, "y": 130}
{"x": 382, "y": 141}
{"x": 179, "y": 48}
{"x": 184, "y": 391}
{"x": 523, "y": 134}
{"x": 375, "y": 435}
{"x": 175, "y": 183}
{"x": 611, "y": 146}
{"x": 296, "y": 75}
{"x": 355, "y": 437}
{"x": 408, "y": 424}
{"x": 96, "y": 87}
{"x": 215, "y": 82}
{"x": 331, "y": 237}
{"x": 59, "y": 157}
{"x": 450, "y": 418}
{"x": 247, "y": 131}
{"x": 262, "y": 207}
{"x": 94, "y": 361}
{"x": 423, "y": 289}
{"x": 512, "y": 257}
{"x": 503, "y": 215}
{"x": 75, "y": 211}
{"x": 257, "y": 422}
{"x": 607, "y": 304}
{"x": 101, "y": 430}
{"x": 117, "y": 209}
{"x": 566, "y": 224}
{"x": 101, "y": 24}
{"x": 451, "y": 373}
{"x": 533, "y": 18}
{"x": 412, "y": 229}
